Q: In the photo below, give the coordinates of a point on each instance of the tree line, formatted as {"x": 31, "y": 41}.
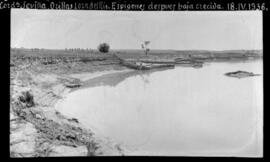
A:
{"x": 102, "y": 47}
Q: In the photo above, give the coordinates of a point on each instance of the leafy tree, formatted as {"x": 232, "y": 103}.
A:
{"x": 104, "y": 47}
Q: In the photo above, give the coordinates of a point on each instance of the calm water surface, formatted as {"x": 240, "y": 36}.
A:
{"x": 181, "y": 111}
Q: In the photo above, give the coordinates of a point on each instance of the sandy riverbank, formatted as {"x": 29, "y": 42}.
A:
{"x": 39, "y": 130}
{"x": 87, "y": 76}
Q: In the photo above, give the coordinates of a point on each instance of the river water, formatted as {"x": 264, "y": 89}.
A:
{"x": 182, "y": 111}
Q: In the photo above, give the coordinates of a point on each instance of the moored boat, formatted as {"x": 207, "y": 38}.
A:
{"x": 138, "y": 65}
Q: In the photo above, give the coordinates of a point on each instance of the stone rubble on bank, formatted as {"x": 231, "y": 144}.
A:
{"x": 38, "y": 130}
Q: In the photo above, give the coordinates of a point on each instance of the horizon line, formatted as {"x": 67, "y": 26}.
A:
{"x": 142, "y": 49}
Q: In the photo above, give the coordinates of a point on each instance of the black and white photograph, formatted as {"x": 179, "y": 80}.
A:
{"x": 136, "y": 83}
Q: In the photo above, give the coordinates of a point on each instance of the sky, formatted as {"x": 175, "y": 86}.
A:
{"x": 177, "y": 30}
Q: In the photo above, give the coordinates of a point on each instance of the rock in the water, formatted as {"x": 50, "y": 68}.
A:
{"x": 240, "y": 74}
{"x": 72, "y": 85}
{"x": 58, "y": 151}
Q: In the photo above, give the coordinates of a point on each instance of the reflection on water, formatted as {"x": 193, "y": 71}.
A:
{"x": 115, "y": 79}
{"x": 181, "y": 111}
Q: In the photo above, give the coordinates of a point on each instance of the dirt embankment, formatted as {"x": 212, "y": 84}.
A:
{"x": 36, "y": 128}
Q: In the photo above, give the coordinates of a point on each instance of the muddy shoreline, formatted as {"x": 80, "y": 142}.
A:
{"x": 36, "y": 128}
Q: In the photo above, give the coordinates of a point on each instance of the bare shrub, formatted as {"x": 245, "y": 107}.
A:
{"x": 27, "y": 98}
